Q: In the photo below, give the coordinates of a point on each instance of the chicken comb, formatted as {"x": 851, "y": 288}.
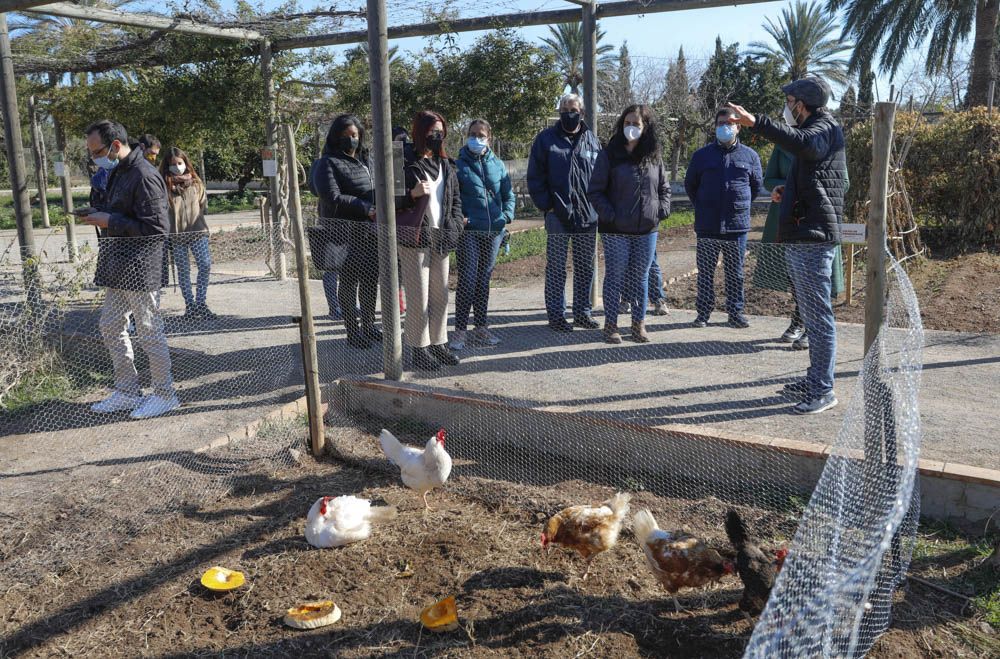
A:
{"x": 441, "y": 435}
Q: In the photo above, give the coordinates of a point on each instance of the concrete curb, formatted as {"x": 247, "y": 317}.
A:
{"x": 288, "y": 410}
{"x": 958, "y": 493}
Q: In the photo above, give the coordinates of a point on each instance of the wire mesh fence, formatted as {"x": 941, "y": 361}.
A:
{"x": 683, "y": 380}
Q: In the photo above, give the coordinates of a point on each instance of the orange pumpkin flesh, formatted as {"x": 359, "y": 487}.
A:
{"x": 441, "y": 617}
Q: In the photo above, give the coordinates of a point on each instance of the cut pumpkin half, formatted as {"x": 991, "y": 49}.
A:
{"x": 441, "y": 617}
{"x": 312, "y": 615}
{"x": 222, "y": 579}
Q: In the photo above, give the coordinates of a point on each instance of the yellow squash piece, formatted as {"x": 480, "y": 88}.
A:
{"x": 220, "y": 579}
{"x": 312, "y": 615}
{"x": 442, "y": 617}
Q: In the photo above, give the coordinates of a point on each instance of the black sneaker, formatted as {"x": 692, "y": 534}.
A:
{"x": 586, "y": 322}
{"x": 560, "y": 325}
{"x": 443, "y": 355}
{"x": 739, "y": 322}
{"x": 802, "y": 343}
{"x": 371, "y": 333}
{"x": 816, "y": 405}
{"x": 358, "y": 341}
{"x": 794, "y": 332}
{"x": 423, "y": 360}
{"x": 700, "y": 322}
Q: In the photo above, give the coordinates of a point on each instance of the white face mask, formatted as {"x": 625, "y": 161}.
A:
{"x": 789, "y": 117}
{"x": 177, "y": 170}
{"x": 632, "y": 133}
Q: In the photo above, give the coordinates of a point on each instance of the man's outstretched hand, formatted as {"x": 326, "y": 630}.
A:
{"x": 741, "y": 116}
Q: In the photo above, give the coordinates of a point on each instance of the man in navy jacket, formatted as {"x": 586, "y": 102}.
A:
{"x": 722, "y": 181}
{"x": 559, "y": 168}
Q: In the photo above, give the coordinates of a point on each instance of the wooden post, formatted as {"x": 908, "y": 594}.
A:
{"x": 280, "y": 264}
{"x": 590, "y": 99}
{"x": 307, "y": 326}
{"x": 15, "y": 160}
{"x": 38, "y": 153}
{"x": 875, "y": 275}
{"x": 66, "y": 184}
{"x": 989, "y": 98}
{"x": 849, "y": 275}
{"x": 385, "y": 203}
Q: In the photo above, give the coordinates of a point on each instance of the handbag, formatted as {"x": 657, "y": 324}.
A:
{"x": 409, "y": 222}
{"x": 326, "y": 253}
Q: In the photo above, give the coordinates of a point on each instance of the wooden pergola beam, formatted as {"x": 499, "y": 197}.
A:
{"x": 18, "y": 5}
{"x": 524, "y": 19}
{"x": 150, "y": 22}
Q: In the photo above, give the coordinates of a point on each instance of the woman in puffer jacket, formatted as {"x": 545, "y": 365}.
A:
{"x": 187, "y": 200}
{"x": 630, "y": 190}
{"x": 488, "y": 205}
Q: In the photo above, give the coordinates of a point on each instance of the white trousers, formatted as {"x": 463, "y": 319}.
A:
{"x": 425, "y": 280}
{"x": 145, "y": 309}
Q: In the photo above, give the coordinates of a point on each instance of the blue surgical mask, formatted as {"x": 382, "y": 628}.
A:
{"x": 477, "y": 145}
{"x": 725, "y": 134}
{"x": 104, "y": 162}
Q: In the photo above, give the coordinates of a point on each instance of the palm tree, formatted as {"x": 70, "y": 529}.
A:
{"x": 804, "y": 43}
{"x": 565, "y": 43}
{"x": 896, "y": 26}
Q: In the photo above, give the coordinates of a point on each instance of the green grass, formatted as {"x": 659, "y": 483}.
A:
{"x": 52, "y": 379}
{"x": 937, "y": 541}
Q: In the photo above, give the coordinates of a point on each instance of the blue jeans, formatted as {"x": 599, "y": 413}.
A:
{"x": 330, "y": 282}
{"x": 734, "y": 248}
{"x": 626, "y": 269}
{"x": 584, "y": 247}
{"x": 198, "y": 244}
{"x": 810, "y": 268}
{"x": 655, "y": 282}
{"x": 476, "y": 256}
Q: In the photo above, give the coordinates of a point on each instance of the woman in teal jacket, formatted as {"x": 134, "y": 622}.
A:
{"x": 488, "y": 204}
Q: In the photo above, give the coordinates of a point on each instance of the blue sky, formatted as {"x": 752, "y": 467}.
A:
{"x": 653, "y": 35}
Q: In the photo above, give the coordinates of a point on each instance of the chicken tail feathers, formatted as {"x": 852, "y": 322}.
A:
{"x": 643, "y": 524}
{"x": 390, "y": 446}
{"x": 381, "y": 513}
{"x": 619, "y": 504}
{"x": 736, "y": 529}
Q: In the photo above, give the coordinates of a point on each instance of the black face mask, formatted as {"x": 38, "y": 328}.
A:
{"x": 346, "y": 144}
{"x": 434, "y": 142}
{"x": 569, "y": 121}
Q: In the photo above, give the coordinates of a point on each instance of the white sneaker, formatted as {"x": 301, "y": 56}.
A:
{"x": 116, "y": 402}
{"x": 457, "y": 342}
{"x": 483, "y": 336}
{"x": 153, "y": 406}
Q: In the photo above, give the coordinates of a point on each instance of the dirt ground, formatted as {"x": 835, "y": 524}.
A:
{"x": 481, "y": 544}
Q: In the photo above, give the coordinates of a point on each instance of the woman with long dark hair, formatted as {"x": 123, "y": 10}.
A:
{"x": 342, "y": 178}
{"x": 630, "y": 190}
{"x": 425, "y": 248}
{"x": 186, "y": 200}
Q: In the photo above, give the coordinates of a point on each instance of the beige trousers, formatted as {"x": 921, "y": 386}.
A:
{"x": 144, "y": 307}
{"x": 425, "y": 281}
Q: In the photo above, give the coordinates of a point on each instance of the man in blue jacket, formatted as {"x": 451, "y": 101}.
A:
{"x": 812, "y": 209}
{"x": 722, "y": 181}
{"x": 559, "y": 167}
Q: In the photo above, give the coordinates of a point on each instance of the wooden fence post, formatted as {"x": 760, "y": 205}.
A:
{"x": 38, "y": 153}
{"x": 590, "y": 103}
{"x": 307, "y": 327}
{"x": 875, "y": 275}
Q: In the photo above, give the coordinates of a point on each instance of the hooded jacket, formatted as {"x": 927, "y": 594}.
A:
{"x": 630, "y": 197}
{"x": 487, "y": 193}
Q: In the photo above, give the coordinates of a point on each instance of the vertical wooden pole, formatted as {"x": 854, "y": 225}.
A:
{"x": 307, "y": 326}
{"x": 378, "y": 62}
{"x": 989, "y": 98}
{"x": 38, "y": 153}
{"x": 849, "y": 275}
{"x": 66, "y": 184}
{"x": 590, "y": 99}
{"x": 277, "y": 246}
{"x": 875, "y": 275}
{"x": 15, "y": 160}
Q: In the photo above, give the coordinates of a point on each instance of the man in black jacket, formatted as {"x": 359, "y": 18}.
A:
{"x": 134, "y": 224}
{"x": 812, "y": 209}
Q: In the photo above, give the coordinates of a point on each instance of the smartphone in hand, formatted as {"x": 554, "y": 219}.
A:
{"x": 84, "y": 212}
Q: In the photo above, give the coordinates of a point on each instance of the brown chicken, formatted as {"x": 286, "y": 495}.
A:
{"x": 678, "y": 559}
{"x": 589, "y": 530}
{"x": 757, "y": 570}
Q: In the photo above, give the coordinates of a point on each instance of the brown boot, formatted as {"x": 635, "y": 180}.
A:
{"x": 611, "y": 334}
{"x": 639, "y": 332}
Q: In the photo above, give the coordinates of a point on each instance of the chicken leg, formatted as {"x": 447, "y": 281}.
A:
{"x": 427, "y": 505}
{"x": 677, "y": 605}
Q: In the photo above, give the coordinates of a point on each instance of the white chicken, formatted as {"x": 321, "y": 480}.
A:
{"x": 335, "y": 522}
{"x": 422, "y": 469}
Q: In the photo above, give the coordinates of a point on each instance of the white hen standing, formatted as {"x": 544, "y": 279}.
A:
{"x": 335, "y": 522}
{"x": 422, "y": 469}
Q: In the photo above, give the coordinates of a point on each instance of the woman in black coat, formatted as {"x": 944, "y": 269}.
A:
{"x": 342, "y": 178}
{"x": 425, "y": 249}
